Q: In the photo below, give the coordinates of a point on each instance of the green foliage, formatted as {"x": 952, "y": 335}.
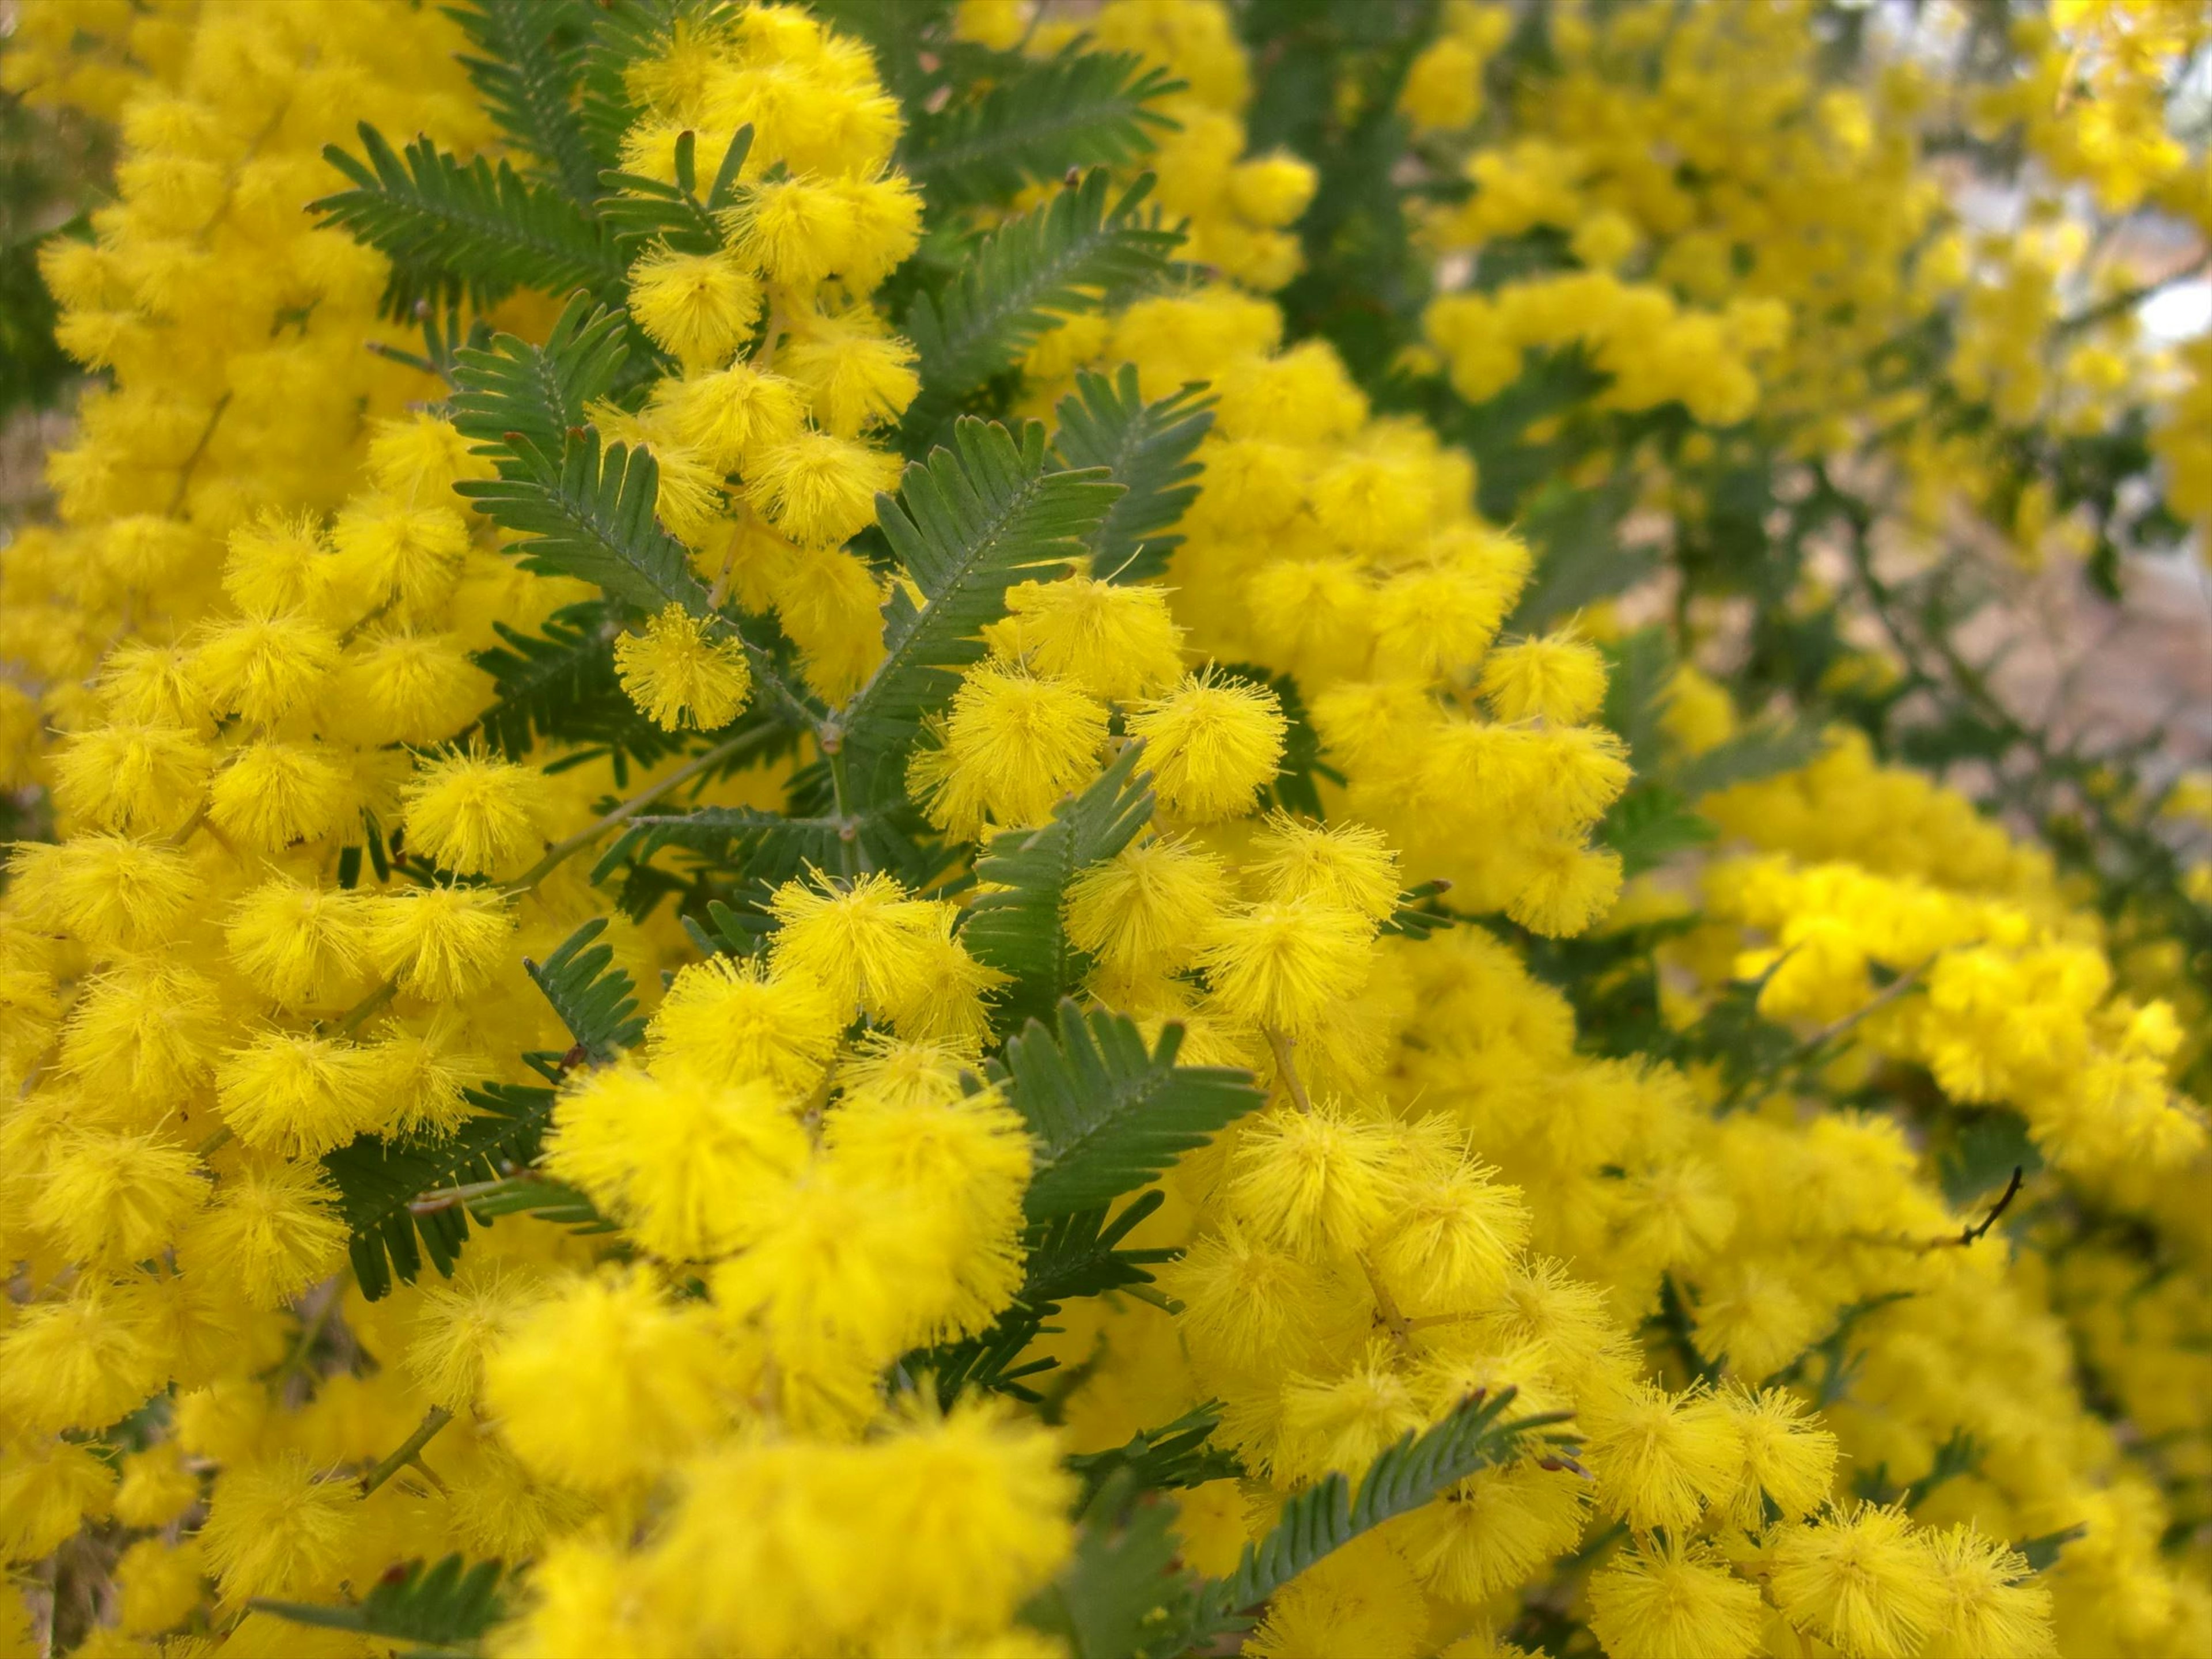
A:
{"x": 520, "y": 401}
{"x": 379, "y": 1182}
{"x": 1149, "y": 448}
{"x": 560, "y": 685}
{"x": 649, "y": 208}
{"x": 594, "y": 519}
{"x": 1107, "y": 1115}
{"x": 970, "y": 522}
{"x": 1016, "y": 927}
{"x": 1057, "y": 258}
{"x": 1034, "y": 121}
{"x": 595, "y": 999}
{"x": 1069, "y": 1256}
{"x": 1174, "y": 1456}
{"x": 1120, "y": 1578}
{"x": 1758, "y": 751}
{"x": 438, "y": 1609}
{"x": 1649, "y": 824}
{"x": 455, "y": 230}
{"x": 1325, "y": 1517}
{"x": 529, "y": 55}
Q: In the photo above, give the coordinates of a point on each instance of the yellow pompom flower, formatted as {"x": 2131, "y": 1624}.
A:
{"x": 1557, "y": 677}
{"x": 264, "y": 667}
{"x": 1315, "y": 1181}
{"x": 819, "y": 489}
{"x": 47, "y": 1487}
{"x": 1212, "y": 744}
{"x": 279, "y": 1528}
{"x": 1564, "y": 887}
{"x": 1148, "y": 908}
{"x": 1660, "y": 1459}
{"x": 477, "y": 816}
{"x": 274, "y": 793}
{"x": 439, "y": 942}
{"x": 156, "y": 1486}
{"x": 132, "y": 777}
{"x": 675, "y": 672}
{"x": 160, "y": 1583}
{"x": 297, "y": 944}
{"x": 1119, "y": 642}
{"x": 118, "y": 1198}
{"x": 696, "y": 306}
{"x": 113, "y": 893}
{"x": 1674, "y": 1602}
{"x": 303, "y": 1094}
{"x": 272, "y": 1229}
{"x": 1287, "y": 966}
{"x": 730, "y": 414}
{"x": 459, "y": 1323}
{"x": 603, "y": 1382}
{"x": 1990, "y": 1606}
{"x": 726, "y": 1023}
{"x": 1349, "y": 866}
{"x": 1787, "y": 1457}
{"x": 854, "y": 372}
{"x": 77, "y": 1363}
{"x": 1861, "y": 1579}
{"x": 867, "y": 943}
{"x": 1014, "y": 744}
{"x": 687, "y": 1167}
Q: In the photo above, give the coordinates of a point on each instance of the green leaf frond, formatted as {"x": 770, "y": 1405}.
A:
{"x": 529, "y": 56}
{"x": 443, "y": 1606}
{"x": 969, "y": 522}
{"x": 1016, "y": 925}
{"x": 1079, "y": 109}
{"x": 1085, "y": 243}
{"x": 1107, "y": 1114}
{"x": 464, "y": 230}
{"x": 381, "y": 1183}
{"x": 559, "y": 686}
{"x": 596, "y": 1000}
{"x": 595, "y": 519}
{"x": 515, "y": 398}
{"x": 1326, "y": 1516}
{"x": 1067, "y": 1258}
{"x": 1150, "y": 449}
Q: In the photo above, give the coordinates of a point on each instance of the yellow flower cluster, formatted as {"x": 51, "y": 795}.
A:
{"x": 300, "y": 889}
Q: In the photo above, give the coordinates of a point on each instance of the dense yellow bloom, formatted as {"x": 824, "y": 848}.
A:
{"x": 678, "y": 674}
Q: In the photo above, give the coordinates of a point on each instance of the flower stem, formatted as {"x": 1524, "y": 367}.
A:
{"x": 433, "y": 1420}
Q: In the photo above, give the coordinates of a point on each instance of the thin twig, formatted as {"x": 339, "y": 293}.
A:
{"x": 433, "y": 1420}
{"x": 561, "y": 852}
{"x": 1286, "y": 1070}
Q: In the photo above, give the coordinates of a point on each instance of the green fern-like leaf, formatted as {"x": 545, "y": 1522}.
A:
{"x": 594, "y": 999}
{"x": 529, "y": 55}
{"x": 624, "y": 32}
{"x": 594, "y": 519}
{"x": 379, "y": 1181}
{"x": 1758, "y": 751}
{"x": 1080, "y": 109}
{"x": 559, "y": 685}
{"x": 443, "y": 1606}
{"x": 1173, "y": 1456}
{"x": 1107, "y": 1115}
{"x": 1325, "y": 1517}
{"x": 1066, "y": 1258}
{"x": 519, "y": 401}
{"x": 1059, "y": 257}
{"x": 1149, "y": 449}
{"x": 970, "y": 522}
{"x": 1016, "y": 927}
{"x": 455, "y": 230}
